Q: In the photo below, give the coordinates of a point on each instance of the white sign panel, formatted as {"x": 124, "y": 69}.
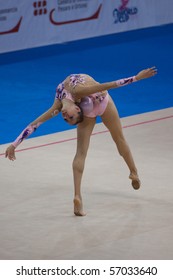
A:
{"x": 33, "y": 23}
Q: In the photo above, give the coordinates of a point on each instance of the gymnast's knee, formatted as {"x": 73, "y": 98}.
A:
{"x": 122, "y": 147}
{"x": 78, "y": 163}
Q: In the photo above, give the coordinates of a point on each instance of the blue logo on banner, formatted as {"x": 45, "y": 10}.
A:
{"x": 123, "y": 13}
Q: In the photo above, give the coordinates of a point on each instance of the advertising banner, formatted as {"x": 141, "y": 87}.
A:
{"x": 33, "y": 23}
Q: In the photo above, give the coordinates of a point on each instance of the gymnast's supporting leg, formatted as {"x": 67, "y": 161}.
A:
{"x": 112, "y": 121}
{"x": 84, "y": 131}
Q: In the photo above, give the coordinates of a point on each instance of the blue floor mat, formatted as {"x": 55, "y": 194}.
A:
{"x": 28, "y": 78}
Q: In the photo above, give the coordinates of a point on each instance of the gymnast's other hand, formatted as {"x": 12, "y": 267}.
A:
{"x": 10, "y": 153}
{"x": 146, "y": 73}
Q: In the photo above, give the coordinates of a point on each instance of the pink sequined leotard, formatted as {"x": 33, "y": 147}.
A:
{"x": 99, "y": 99}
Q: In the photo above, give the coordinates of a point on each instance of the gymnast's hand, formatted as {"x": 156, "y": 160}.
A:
{"x": 10, "y": 153}
{"x": 146, "y": 73}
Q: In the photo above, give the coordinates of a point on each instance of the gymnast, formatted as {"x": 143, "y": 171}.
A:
{"x": 80, "y": 99}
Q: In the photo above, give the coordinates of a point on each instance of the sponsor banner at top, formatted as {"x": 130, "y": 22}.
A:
{"x": 32, "y": 23}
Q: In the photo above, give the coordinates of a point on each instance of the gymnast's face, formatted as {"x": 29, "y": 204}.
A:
{"x": 71, "y": 114}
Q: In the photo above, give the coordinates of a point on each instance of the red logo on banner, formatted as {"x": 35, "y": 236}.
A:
{"x": 94, "y": 16}
{"x": 13, "y": 30}
{"x": 123, "y": 5}
{"x": 40, "y": 8}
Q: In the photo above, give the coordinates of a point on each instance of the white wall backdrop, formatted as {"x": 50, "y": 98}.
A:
{"x": 31, "y": 23}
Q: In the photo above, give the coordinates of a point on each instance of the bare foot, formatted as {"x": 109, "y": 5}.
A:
{"x": 136, "y": 183}
{"x": 78, "y": 207}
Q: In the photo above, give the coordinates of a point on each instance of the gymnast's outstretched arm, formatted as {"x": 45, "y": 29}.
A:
{"x": 53, "y": 111}
{"x": 85, "y": 90}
